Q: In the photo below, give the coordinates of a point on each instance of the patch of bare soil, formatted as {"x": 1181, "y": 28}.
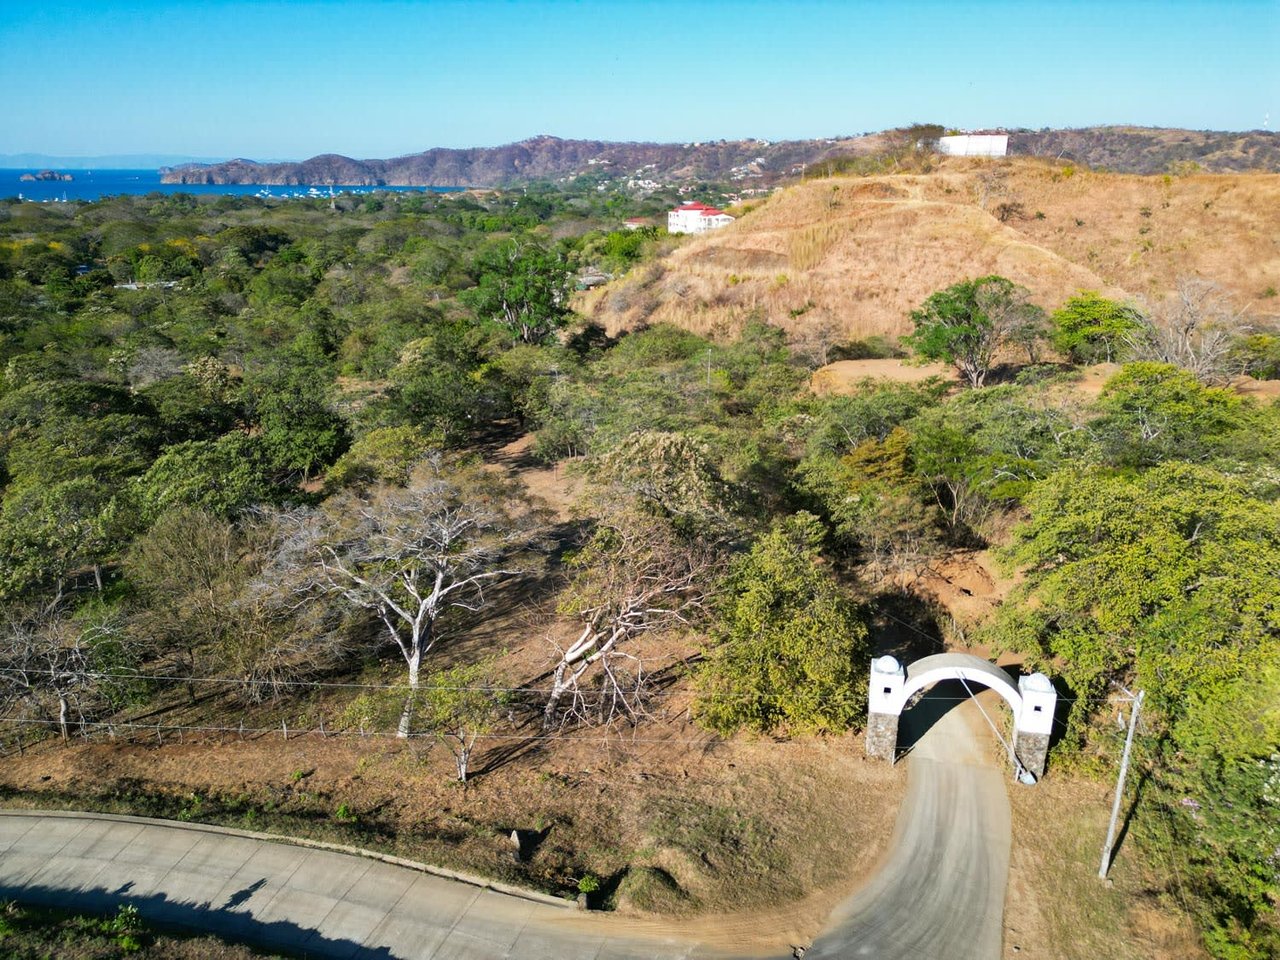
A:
{"x": 1263, "y": 391}
{"x": 965, "y": 583}
{"x": 1056, "y": 908}
{"x": 1093, "y": 379}
{"x": 849, "y": 376}
{"x": 557, "y": 485}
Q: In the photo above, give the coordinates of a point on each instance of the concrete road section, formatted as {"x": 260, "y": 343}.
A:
{"x": 321, "y": 903}
{"x": 938, "y": 895}
{"x": 940, "y": 891}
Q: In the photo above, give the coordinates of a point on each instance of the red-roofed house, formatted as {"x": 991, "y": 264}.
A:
{"x": 694, "y": 217}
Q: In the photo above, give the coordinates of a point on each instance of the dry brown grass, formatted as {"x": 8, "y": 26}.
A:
{"x": 863, "y": 252}
{"x": 1056, "y": 908}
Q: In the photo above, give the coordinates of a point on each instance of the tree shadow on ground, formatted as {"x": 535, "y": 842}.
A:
{"x": 503, "y": 754}
{"x": 1130, "y": 813}
{"x": 904, "y": 626}
{"x": 225, "y": 920}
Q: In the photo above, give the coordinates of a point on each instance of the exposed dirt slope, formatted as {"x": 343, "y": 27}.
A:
{"x": 857, "y": 254}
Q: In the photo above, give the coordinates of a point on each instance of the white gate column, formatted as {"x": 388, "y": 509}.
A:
{"x": 884, "y": 705}
{"x": 1033, "y": 726}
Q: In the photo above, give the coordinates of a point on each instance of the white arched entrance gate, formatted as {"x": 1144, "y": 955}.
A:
{"x": 1032, "y": 699}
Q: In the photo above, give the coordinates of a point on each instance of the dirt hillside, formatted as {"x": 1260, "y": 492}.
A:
{"x": 856, "y": 254}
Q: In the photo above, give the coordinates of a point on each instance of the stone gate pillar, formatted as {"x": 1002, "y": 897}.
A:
{"x": 1033, "y": 725}
{"x": 884, "y": 705}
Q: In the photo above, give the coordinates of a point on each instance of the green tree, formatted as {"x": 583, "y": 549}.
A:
{"x": 790, "y": 650}
{"x": 968, "y": 322}
{"x": 525, "y": 288}
{"x": 438, "y": 383}
{"x": 300, "y": 432}
{"x": 1169, "y": 579}
{"x": 187, "y": 410}
{"x": 222, "y": 476}
{"x": 1219, "y": 793}
{"x": 1155, "y": 412}
{"x": 384, "y": 455}
{"x": 1258, "y": 356}
{"x": 48, "y": 532}
{"x": 1089, "y": 328}
{"x": 460, "y": 705}
{"x": 875, "y": 502}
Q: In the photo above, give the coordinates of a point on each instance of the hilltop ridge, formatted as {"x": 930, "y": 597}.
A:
{"x": 855, "y": 255}
{"x": 759, "y": 162}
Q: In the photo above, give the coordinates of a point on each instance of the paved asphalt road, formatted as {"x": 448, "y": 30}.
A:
{"x": 938, "y": 895}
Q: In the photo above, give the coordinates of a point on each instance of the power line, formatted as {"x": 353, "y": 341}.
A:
{"x": 426, "y": 688}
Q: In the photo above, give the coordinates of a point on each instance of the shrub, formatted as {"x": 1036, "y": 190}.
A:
{"x": 790, "y": 647}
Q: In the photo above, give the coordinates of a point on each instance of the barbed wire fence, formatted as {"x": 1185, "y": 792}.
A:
{"x": 336, "y": 727}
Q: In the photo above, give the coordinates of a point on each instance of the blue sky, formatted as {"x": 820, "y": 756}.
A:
{"x": 292, "y": 79}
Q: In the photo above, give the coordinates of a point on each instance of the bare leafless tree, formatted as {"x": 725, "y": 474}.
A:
{"x": 814, "y": 339}
{"x": 661, "y": 516}
{"x": 50, "y": 664}
{"x": 406, "y": 555}
{"x": 272, "y": 644}
{"x": 638, "y": 574}
{"x": 153, "y": 364}
{"x": 1195, "y": 328}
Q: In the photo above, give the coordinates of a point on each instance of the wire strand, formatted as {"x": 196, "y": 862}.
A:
{"x": 424, "y": 688}
{"x": 709, "y": 741}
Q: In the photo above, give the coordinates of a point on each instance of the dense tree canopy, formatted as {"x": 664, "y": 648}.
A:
{"x": 310, "y": 443}
{"x": 1169, "y": 579}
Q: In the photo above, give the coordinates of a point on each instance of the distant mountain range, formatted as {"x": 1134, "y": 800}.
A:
{"x": 538, "y": 158}
{"x": 1122, "y": 149}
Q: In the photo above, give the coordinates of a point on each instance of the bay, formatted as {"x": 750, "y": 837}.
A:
{"x": 95, "y": 184}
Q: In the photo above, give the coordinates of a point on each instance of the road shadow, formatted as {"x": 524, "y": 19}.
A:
{"x": 160, "y": 912}
{"x": 931, "y": 706}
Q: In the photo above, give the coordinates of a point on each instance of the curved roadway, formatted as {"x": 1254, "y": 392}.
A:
{"x": 308, "y": 902}
{"x": 939, "y": 893}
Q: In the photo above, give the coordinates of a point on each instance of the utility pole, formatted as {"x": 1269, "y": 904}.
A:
{"x": 1124, "y": 770}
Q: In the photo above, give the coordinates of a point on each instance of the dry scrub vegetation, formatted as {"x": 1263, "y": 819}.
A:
{"x": 860, "y": 253}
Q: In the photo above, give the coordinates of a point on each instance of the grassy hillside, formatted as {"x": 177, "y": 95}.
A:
{"x": 858, "y": 253}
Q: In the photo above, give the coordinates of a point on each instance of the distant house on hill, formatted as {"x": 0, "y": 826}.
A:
{"x": 636, "y": 223}
{"x": 975, "y": 145}
{"x": 694, "y": 217}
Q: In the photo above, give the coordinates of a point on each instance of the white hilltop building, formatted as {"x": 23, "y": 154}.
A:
{"x": 694, "y": 217}
{"x": 975, "y": 145}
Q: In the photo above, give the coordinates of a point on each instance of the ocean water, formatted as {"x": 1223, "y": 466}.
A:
{"x": 95, "y": 184}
